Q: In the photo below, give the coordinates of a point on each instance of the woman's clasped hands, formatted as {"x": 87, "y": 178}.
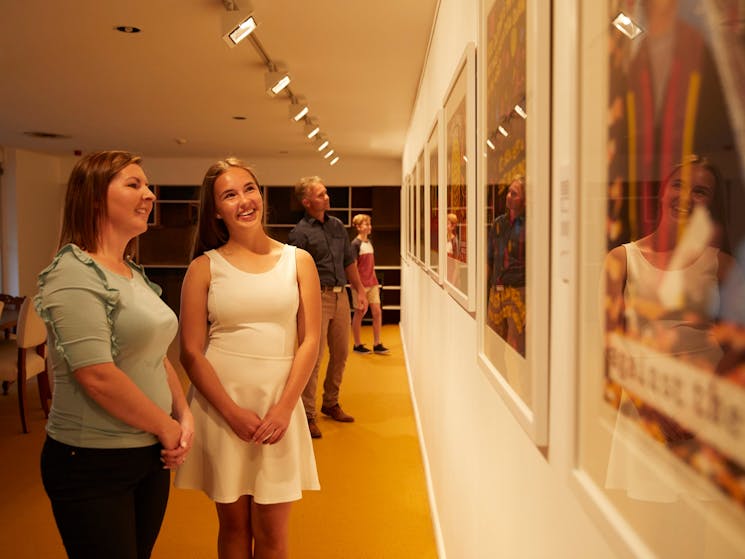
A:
{"x": 177, "y": 440}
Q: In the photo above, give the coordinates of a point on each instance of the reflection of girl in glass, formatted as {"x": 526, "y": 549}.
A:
{"x": 666, "y": 325}
{"x": 506, "y": 268}
{"x": 664, "y": 288}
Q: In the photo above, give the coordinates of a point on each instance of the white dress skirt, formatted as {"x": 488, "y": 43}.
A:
{"x": 252, "y": 341}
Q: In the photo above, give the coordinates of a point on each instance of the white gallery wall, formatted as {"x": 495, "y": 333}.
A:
{"x": 493, "y": 492}
{"x": 33, "y": 191}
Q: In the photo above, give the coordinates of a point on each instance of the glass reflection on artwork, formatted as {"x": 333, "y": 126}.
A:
{"x": 421, "y": 208}
{"x": 507, "y": 189}
{"x": 434, "y": 211}
{"x": 457, "y": 189}
{"x": 674, "y": 300}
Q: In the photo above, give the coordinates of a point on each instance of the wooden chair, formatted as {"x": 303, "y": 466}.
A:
{"x": 11, "y": 302}
{"x": 23, "y": 358}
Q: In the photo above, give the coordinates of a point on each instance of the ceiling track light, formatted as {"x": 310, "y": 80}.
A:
{"x": 329, "y": 154}
{"x": 324, "y": 144}
{"x": 311, "y": 128}
{"x": 334, "y": 160}
{"x": 277, "y": 78}
{"x": 298, "y": 108}
{"x": 240, "y": 31}
{"x": 238, "y": 23}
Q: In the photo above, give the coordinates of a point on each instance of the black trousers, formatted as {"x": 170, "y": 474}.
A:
{"x": 108, "y": 503}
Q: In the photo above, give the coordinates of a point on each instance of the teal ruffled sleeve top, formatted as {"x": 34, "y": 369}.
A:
{"x": 96, "y": 316}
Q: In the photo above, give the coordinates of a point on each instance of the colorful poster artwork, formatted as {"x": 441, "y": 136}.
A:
{"x": 674, "y": 302}
{"x": 507, "y": 190}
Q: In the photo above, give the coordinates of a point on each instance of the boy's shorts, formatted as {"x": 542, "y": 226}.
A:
{"x": 373, "y": 295}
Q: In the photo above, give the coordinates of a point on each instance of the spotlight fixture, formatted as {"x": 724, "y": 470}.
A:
{"x": 334, "y": 160}
{"x": 519, "y": 110}
{"x": 324, "y": 144}
{"x": 627, "y": 26}
{"x": 490, "y": 144}
{"x": 503, "y": 131}
{"x": 298, "y": 108}
{"x": 240, "y": 31}
{"x": 329, "y": 154}
{"x": 238, "y": 23}
{"x": 311, "y": 128}
{"x": 277, "y": 78}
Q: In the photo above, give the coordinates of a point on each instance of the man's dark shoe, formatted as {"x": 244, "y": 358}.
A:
{"x": 315, "y": 432}
{"x": 380, "y": 349}
{"x": 336, "y": 413}
{"x": 361, "y": 349}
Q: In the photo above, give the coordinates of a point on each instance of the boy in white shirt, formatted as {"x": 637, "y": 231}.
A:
{"x": 365, "y": 254}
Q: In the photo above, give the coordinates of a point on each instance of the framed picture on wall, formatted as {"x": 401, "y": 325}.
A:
{"x": 422, "y": 210}
{"x": 410, "y": 224}
{"x": 660, "y": 448}
{"x": 432, "y": 191}
{"x": 458, "y": 237}
{"x": 513, "y": 197}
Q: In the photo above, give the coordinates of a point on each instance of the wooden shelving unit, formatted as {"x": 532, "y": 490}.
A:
{"x": 381, "y": 203}
{"x": 165, "y": 249}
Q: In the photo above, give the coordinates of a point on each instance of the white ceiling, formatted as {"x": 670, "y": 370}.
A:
{"x": 65, "y": 70}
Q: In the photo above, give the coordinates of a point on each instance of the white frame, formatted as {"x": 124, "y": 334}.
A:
{"x": 410, "y": 216}
{"x": 433, "y": 138}
{"x": 467, "y": 68}
{"x": 507, "y": 366}
{"x": 717, "y": 518}
{"x": 421, "y": 211}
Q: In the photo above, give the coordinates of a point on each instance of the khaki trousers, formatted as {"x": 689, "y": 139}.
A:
{"x": 335, "y": 323}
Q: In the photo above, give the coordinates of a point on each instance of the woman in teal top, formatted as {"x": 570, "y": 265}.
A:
{"x": 119, "y": 420}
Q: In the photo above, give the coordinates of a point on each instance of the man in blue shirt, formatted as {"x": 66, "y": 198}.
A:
{"x": 327, "y": 241}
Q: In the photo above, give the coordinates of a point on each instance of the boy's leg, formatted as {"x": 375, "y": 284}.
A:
{"x": 357, "y": 317}
{"x": 377, "y": 320}
{"x": 356, "y": 325}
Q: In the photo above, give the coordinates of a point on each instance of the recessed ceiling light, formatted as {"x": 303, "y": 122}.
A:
{"x": 127, "y": 29}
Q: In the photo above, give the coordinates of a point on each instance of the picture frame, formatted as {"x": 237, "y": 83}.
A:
{"x": 410, "y": 236}
{"x": 458, "y": 238}
{"x": 657, "y": 467}
{"x": 514, "y": 238}
{"x": 432, "y": 191}
{"x": 421, "y": 209}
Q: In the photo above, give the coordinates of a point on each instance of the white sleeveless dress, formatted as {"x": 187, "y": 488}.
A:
{"x": 252, "y": 342}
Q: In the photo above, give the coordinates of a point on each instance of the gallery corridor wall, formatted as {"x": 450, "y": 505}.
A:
{"x": 494, "y": 492}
